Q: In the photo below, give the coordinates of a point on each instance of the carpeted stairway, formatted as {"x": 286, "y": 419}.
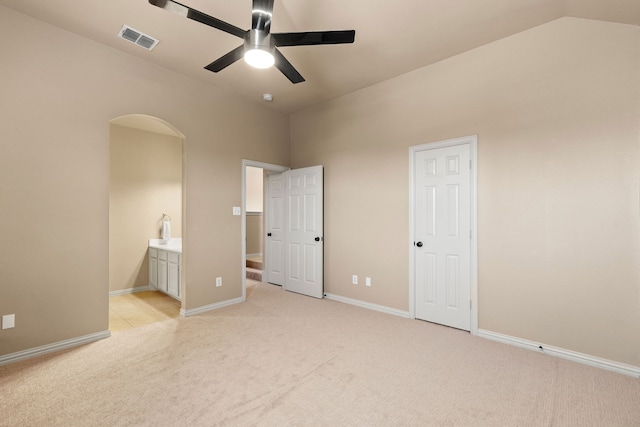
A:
{"x": 254, "y": 268}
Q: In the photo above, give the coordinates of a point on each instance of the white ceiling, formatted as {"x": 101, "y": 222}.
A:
{"x": 393, "y": 37}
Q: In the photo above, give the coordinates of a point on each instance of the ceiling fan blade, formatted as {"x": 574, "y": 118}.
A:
{"x": 261, "y": 13}
{"x": 314, "y": 37}
{"x": 286, "y": 68}
{"x": 187, "y": 12}
{"x": 226, "y": 60}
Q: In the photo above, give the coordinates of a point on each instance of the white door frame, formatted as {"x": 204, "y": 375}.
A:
{"x": 472, "y": 141}
{"x": 243, "y": 237}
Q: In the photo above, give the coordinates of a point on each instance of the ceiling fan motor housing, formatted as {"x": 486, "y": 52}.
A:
{"x": 259, "y": 39}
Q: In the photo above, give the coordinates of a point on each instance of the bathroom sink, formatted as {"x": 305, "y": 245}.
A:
{"x": 174, "y": 245}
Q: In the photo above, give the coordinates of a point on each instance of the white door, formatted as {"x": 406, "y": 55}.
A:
{"x": 274, "y": 241}
{"x": 442, "y": 241}
{"x": 304, "y": 239}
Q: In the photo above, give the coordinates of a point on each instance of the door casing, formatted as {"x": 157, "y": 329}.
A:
{"x": 472, "y": 141}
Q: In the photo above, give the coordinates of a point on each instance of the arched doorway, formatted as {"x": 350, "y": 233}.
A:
{"x": 146, "y": 182}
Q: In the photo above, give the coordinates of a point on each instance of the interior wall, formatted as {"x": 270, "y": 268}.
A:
{"x": 254, "y": 189}
{"x": 254, "y": 233}
{"x": 145, "y": 182}
{"x": 556, "y": 110}
{"x": 254, "y": 206}
{"x": 54, "y": 176}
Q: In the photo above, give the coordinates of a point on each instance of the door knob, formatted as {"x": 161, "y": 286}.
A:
{"x": 317, "y": 239}
{"x": 419, "y": 244}
{"x": 268, "y": 234}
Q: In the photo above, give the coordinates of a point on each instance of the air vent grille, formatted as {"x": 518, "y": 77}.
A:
{"x": 134, "y": 36}
{"x": 146, "y": 42}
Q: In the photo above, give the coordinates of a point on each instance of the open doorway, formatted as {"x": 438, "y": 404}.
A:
{"x": 146, "y": 185}
{"x": 254, "y": 225}
{"x": 254, "y": 212}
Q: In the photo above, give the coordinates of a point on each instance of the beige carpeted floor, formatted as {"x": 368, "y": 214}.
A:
{"x": 282, "y": 359}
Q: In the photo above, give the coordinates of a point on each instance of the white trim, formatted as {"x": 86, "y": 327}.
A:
{"x": 211, "y": 307}
{"x": 472, "y": 141}
{"x": 243, "y": 217}
{"x": 474, "y": 235}
{"x": 50, "y": 348}
{"x": 368, "y": 305}
{"x": 131, "y": 291}
{"x": 585, "y": 359}
{"x": 251, "y": 213}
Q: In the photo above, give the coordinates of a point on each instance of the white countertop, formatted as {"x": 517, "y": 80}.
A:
{"x": 173, "y": 245}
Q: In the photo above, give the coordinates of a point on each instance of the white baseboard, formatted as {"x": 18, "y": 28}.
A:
{"x": 586, "y": 359}
{"x": 368, "y": 305}
{"x": 259, "y": 254}
{"x": 130, "y": 291}
{"x": 50, "y": 348}
{"x": 210, "y": 307}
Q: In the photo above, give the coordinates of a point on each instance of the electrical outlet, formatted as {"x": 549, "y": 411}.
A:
{"x": 218, "y": 282}
{"x": 8, "y": 321}
{"x": 367, "y": 281}
{"x": 354, "y": 279}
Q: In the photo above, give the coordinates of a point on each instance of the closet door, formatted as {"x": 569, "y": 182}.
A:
{"x": 442, "y": 236}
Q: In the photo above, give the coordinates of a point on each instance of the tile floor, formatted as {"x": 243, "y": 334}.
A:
{"x": 141, "y": 308}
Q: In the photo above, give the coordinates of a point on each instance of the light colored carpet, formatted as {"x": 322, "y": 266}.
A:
{"x": 282, "y": 359}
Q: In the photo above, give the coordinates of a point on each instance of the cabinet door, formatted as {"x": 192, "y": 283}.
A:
{"x": 153, "y": 272}
{"x": 174, "y": 279}
{"x": 162, "y": 275}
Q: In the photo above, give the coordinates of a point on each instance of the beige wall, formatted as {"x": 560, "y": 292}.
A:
{"x": 254, "y": 204}
{"x": 254, "y": 189}
{"x": 254, "y": 234}
{"x": 557, "y": 114}
{"x": 145, "y": 182}
{"x": 59, "y": 92}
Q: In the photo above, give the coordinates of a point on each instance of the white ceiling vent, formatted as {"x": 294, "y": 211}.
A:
{"x": 135, "y": 36}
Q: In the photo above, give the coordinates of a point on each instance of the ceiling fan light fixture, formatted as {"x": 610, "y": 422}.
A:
{"x": 259, "y": 58}
{"x": 258, "y": 49}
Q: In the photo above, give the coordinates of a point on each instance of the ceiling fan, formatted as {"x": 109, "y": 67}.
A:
{"x": 260, "y": 45}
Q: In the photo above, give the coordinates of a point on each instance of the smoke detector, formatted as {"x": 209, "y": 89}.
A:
{"x": 134, "y": 36}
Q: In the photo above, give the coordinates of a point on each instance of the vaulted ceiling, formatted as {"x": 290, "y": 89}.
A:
{"x": 392, "y": 37}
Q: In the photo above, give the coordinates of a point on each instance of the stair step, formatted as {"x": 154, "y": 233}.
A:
{"x": 253, "y": 263}
{"x": 254, "y": 274}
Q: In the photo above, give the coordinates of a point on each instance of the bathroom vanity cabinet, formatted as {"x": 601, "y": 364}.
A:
{"x": 164, "y": 270}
